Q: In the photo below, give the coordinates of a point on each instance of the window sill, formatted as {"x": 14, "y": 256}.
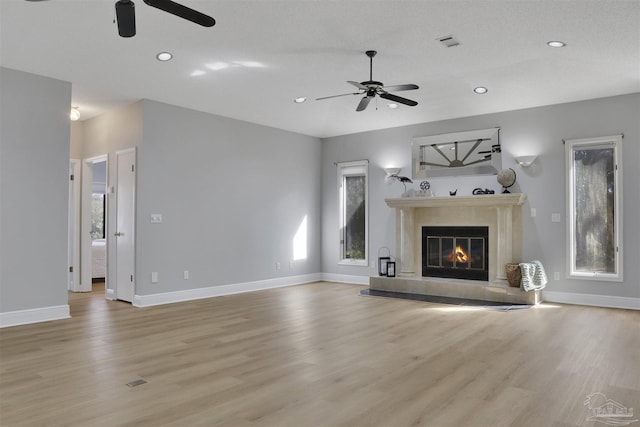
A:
{"x": 600, "y": 277}
{"x": 354, "y": 263}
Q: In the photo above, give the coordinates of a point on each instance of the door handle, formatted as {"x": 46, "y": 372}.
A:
{"x": 118, "y": 234}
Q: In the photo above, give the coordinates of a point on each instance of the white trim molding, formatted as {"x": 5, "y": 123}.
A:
{"x": 34, "y": 315}
{"x": 608, "y": 301}
{"x": 216, "y": 291}
{"x": 110, "y": 294}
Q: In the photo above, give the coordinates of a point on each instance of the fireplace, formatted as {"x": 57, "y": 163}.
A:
{"x": 500, "y": 214}
{"x": 459, "y": 252}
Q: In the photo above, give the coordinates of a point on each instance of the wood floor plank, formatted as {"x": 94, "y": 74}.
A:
{"x": 316, "y": 355}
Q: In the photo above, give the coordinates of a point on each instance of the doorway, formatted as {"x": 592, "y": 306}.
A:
{"x": 102, "y": 226}
{"x": 93, "y": 224}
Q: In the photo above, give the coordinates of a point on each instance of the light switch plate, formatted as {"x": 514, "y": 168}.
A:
{"x": 555, "y": 217}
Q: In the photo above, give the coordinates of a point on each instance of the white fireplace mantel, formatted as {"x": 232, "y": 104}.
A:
{"x": 487, "y": 200}
{"x": 503, "y": 217}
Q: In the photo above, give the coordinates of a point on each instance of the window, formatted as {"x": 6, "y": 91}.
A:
{"x": 98, "y": 203}
{"x": 594, "y": 186}
{"x": 353, "y": 188}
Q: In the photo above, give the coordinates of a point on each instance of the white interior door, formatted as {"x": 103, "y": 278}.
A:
{"x": 74, "y": 224}
{"x": 124, "y": 227}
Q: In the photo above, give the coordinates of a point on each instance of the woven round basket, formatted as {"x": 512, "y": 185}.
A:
{"x": 512, "y": 271}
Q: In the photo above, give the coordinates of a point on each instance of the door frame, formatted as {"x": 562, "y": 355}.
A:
{"x": 75, "y": 182}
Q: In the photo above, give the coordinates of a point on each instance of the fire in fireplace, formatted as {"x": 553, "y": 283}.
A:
{"x": 456, "y": 252}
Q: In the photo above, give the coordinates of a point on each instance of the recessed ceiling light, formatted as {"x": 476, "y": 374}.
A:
{"x": 556, "y": 43}
{"x": 300, "y": 100}
{"x": 393, "y": 105}
{"x": 164, "y": 56}
{"x": 481, "y": 90}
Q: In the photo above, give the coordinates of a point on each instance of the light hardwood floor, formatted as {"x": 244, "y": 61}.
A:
{"x": 317, "y": 355}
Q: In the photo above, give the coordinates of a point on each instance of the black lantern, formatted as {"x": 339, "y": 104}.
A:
{"x": 383, "y": 261}
{"x": 391, "y": 269}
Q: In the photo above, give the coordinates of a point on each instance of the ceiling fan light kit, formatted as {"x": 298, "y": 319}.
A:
{"x": 370, "y": 88}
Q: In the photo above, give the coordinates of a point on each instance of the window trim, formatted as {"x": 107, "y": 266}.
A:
{"x": 571, "y": 145}
{"x": 345, "y": 169}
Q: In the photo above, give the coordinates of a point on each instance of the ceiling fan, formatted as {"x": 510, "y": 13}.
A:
{"x": 125, "y": 14}
{"x": 371, "y": 88}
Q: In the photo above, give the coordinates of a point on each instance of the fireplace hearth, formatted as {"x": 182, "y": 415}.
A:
{"x": 456, "y": 252}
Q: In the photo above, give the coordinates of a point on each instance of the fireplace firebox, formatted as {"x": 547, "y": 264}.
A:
{"x": 456, "y": 252}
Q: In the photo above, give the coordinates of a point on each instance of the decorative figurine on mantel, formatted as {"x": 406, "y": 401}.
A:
{"x": 404, "y": 180}
{"x": 425, "y": 189}
{"x": 506, "y": 178}
{"x": 393, "y": 175}
{"x": 477, "y": 191}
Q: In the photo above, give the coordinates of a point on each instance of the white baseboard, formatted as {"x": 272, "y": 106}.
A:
{"x": 345, "y": 278}
{"x": 110, "y": 294}
{"x": 34, "y": 315}
{"x": 216, "y": 291}
{"x": 593, "y": 300}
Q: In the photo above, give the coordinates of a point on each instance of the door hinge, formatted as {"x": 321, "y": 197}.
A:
{"x": 133, "y": 168}
{"x": 71, "y": 269}
{"x": 132, "y": 278}
{"x": 72, "y": 177}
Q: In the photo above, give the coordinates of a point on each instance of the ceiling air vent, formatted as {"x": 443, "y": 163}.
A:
{"x": 448, "y": 41}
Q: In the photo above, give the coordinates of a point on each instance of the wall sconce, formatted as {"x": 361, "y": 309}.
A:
{"x": 74, "y": 114}
{"x": 526, "y": 161}
{"x": 391, "y": 174}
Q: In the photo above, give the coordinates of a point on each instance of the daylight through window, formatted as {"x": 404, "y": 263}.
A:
{"x": 594, "y": 206}
{"x": 353, "y": 203}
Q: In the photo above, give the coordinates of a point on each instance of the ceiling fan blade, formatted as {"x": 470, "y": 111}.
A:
{"x": 126, "y": 18}
{"x": 399, "y": 99}
{"x": 364, "y": 102}
{"x": 358, "y": 85}
{"x": 335, "y": 96}
{"x": 183, "y": 12}
{"x": 401, "y": 87}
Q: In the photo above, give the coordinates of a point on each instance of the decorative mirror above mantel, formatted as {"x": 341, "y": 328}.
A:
{"x": 475, "y": 152}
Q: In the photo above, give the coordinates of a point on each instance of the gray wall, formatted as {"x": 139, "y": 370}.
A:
{"x": 34, "y": 165}
{"x": 232, "y": 195}
{"x": 537, "y": 131}
{"x": 77, "y": 140}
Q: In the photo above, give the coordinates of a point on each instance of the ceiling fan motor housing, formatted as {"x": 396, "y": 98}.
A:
{"x": 126, "y": 18}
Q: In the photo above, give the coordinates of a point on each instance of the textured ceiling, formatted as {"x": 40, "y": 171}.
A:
{"x": 262, "y": 54}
